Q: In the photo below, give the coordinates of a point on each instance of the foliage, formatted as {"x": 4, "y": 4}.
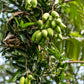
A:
{"x": 72, "y": 48}
{"x": 43, "y": 60}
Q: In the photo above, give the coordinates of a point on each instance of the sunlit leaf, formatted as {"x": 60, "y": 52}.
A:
{"x": 27, "y": 24}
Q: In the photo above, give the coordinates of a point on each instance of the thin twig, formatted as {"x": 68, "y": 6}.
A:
{"x": 6, "y": 8}
{"x": 65, "y": 1}
{"x": 42, "y": 11}
{"x": 26, "y": 67}
{"x": 52, "y": 5}
{"x": 75, "y": 62}
{"x": 72, "y": 62}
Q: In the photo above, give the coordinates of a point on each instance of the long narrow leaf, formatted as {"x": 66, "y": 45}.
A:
{"x": 27, "y": 24}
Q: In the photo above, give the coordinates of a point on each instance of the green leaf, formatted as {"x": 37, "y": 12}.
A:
{"x": 23, "y": 38}
{"x": 1, "y": 6}
{"x": 16, "y": 20}
{"x": 10, "y": 28}
{"x": 82, "y": 56}
{"x": 16, "y": 75}
{"x": 28, "y": 19}
{"x": 21, "y": 22}
{"x": 73, "y": 49}
{"x": 9, "y": 72}
{"x": 21, "y": 52}
{"x": 27, "y": 24}
{"x": 75, "y": 34}
{"x": 21, "y": 65}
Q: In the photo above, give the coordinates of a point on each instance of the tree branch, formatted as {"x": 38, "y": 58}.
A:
{"x": 75, "y": 62}
{"x": 65, "y": 1}
{"x": 6, "y": 8}
{"x": 53, "y": 5}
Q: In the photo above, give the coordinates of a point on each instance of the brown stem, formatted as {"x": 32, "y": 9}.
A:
{"x": 50, "y": 62}
{"x": 52, "y": 5}
{"x": 39, "y": 47}
{"x": 72, "y": 62}
{"x": 65, "y": 1}
{"x": 75, "y": 62}
{"x": 26, "y": 67}
{"x": 42, "y": 11}
{"x": 37, "y": 79}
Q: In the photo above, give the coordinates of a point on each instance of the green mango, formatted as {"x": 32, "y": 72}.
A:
{"x": 38, "y": 36}
{"x": 44, "y": 33}
{"x": 53, "y": 24}
{"x": 45, "y": 16}
{"x": 62, "y": 25}
{"x": 50, "y": 18}
{"x": 34, "y": 35}
{"x": 39, "y": 22}
{"x": 50, "y": 32}
{"x": 28, "y": 1}
{"x": 58, "y": 21}
{"x": 28, "y": 4}
{"x": 54, "y": 14}
{"x": 26, "y": 81}
{"x": 22, "y": 80}
{"x": 27, "y": 7}
{"x": 58, "y": 29}
{"x": 55, "y": 35}
{"x": 29, "y": 82}
{"x": 30, "y": 77}
{"x": 34, "y": 3}
{"x": 47, "y": 25}
{"x": 42, "y": 27}
{"x": 60, "y": 36}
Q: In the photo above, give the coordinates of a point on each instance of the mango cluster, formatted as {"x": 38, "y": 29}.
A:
{"x": 26, "y": 80}
{"x": 30, "y": 4}
{"x": 49, "y": 26}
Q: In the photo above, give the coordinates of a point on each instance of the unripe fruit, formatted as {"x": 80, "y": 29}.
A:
{"x": 28, "y": 1}
{"x": 42, "y": 27}
{"x": 28, "y": 4}
{"x": 53, "y": 24}
{"x": 54, "y": 14}
{"x": 34, "y": 3}
{"x": 58, "y": 21}
{"x": 50, "y": 18}
{"x": 27, "y": 7}
{"x": 47, "y": 25}
{"x": 45, "y": 16}
{"x": 62, "y": 26}
{"x": 34, "y": 35}
{"x": 38, "y": 37}
{"x": 44, "y": 33}
{"x": 29, "y": 82}
{"x": 26, "y": 81}
{"x": 50, "y": 32}
{"x": 59, "y": 36}
{"x": 22, "y": 79}
{"x": 30, "y": 77}
{"x": 58, "y": 29}
{"x": 55, "y": 35}
{"x": 39, "y": 22}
